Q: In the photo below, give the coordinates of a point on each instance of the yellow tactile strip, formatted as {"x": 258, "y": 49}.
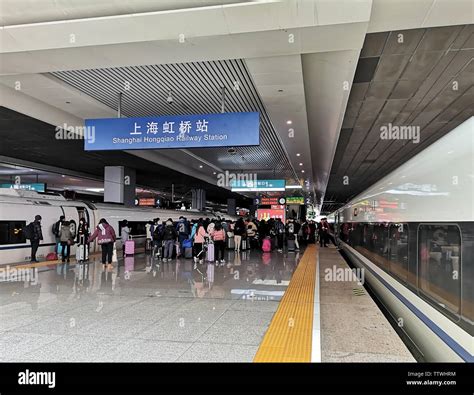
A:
{"x": 289, "y": 336}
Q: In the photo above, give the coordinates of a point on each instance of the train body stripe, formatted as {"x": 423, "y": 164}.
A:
{"x": 452, "y": 344}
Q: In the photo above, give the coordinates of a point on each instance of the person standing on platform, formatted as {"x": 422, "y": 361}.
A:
{"x": 82, "y": 236}
{"x": 125, "y": 234}
{"x": 239, "y": 230}
{"x": 35, "y": 235}
{"x": 66, "y": 239}
{"x": 105, "y": 235}
{"x": 169, "y": 237}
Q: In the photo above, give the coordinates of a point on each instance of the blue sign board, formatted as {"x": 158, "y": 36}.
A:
{"x": 38, "y": 187}
{"x": 173, "y": 131}
{"x": 257, "y": 185}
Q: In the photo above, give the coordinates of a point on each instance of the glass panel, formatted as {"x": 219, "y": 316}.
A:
{"x": 439, "y": 249}
{"x": 399, "y": 250}
{"x": 10, "y": 232}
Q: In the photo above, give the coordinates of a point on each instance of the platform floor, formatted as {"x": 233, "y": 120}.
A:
{"x": 353, "y": 329}
{"x": 141, "y": 309}
{"x": 137, "y": 310}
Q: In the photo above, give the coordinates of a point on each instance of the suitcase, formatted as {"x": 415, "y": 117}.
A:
{"x": 290, "y": 245}
{"x": 82, "y": 253}
{"x": 210, "y": 252}
{"x": 130, "y": 247}
{"x": 231, "y": 243}
{"x": 188, "y": 252}
{"x": 245, "y": 244}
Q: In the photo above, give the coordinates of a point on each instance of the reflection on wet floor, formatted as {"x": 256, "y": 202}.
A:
{"x": 142, "y": 309}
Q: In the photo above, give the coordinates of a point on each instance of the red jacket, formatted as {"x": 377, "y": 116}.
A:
{"x": 104, "y": 233}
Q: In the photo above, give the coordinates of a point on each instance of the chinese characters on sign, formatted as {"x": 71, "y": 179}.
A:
{"x": 183, "y": 131}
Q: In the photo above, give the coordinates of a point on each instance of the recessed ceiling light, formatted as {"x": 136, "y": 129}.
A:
{"x": 289, "y": 122}
{"x": 302, "y": 171}
{"x": 214, "y": 173}
{"x": 301, "y": 164}
{"x": 200, "y": 166}
{"x": 298, "y": 154}
{"x": 62, "y": 175}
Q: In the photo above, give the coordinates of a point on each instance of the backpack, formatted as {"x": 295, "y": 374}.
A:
{"x": 169, "y": 232}
{"x": 157, "y": 232}
{"x": 55, "y": 229}
{"x": 266, "y": 245}
{"x": 29, "y": 231}
{"x": 182, "y": 227}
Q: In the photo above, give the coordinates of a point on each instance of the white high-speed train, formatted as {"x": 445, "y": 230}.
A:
{"x": 18, "y": 208}
{"x": 413, "y": 234}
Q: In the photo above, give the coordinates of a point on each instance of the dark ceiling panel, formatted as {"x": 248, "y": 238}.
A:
{"x": 365, "y": 69}
{"x": 412, "y": 85}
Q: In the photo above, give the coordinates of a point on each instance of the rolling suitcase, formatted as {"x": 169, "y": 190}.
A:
{"x": 290, "y": 245}
{"x": 188, "y": 252}
{"x": 82, "y": 253}
{"x": 210, "y": 252}
{"x": 130, "y": 247}
{"x": 230, "y": 243}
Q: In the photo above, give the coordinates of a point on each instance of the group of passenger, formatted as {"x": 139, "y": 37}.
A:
{"x": 186, "y": 238}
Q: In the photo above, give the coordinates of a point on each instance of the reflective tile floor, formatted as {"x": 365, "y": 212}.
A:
{"x": 140, "y": 309}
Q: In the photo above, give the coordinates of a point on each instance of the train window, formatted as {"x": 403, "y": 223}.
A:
{"x": 11, "y": 232}
{"x": 137, "y": 228}
{"x": 398, "y": 241}
{"x": 439, "y": 263}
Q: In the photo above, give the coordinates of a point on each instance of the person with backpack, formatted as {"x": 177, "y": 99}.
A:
{"x": 34, "y": 233}
{"x": 218, "y": 236}
{"x": 169, "y": 237}
{"x": 105, "y": 235}
{"x": 157, "y": 238}
{"x": 199, "y": 239}
{"x": 56, "y": 229}
{"x": 66, "y": 239}
{"x": 279, "y": 231}
{"x": 182, "y": 229}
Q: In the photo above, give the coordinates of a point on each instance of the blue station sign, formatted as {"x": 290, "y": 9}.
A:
{"x": 173, "y": 131}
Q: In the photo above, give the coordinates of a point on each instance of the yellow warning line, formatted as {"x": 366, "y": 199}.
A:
{"x": 289, "y": 336}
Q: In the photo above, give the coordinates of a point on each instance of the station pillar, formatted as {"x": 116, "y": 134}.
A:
{"x": 198, "y": 201}
{"x": 119, "y": 185}
{"x": 231, "y": 206}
